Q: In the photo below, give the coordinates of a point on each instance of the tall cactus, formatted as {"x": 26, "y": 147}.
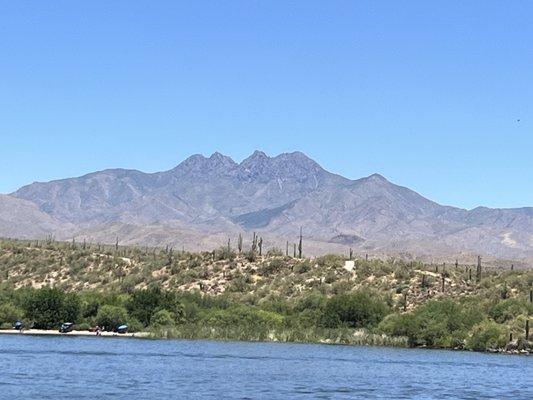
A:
{"x": 254, "y": 243}
{"x": 300, "y": 244}
{"x": 478, "y": 270}
{"x": 423, "y": 284}
{"x": 239, "y": 243}
{"x": 170, "y": 253}
{"x": 260, "y": 246}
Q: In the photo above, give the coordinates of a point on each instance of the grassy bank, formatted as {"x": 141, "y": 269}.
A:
{"x": 308, "y": 335}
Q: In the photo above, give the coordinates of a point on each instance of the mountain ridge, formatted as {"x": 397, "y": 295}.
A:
{"x": 275, "y": 196}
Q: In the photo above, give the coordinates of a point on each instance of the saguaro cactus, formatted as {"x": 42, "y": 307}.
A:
{"x": 239, "y": 243}
{"x": 351, "y": 253}
{"x": 260, "y": 246}
{"x": 478, "y": 269}
{"x": 254, "y": 243}
{"x": 300, "y": 244}
{"x": 170, "y": 253}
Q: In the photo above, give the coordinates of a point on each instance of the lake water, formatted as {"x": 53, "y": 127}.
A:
{"x": 103, "y": 368}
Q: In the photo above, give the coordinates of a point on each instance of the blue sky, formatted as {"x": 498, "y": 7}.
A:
{"x": 428, "y": 94}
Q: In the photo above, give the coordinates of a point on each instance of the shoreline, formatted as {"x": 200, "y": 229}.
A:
{"x": 50, "y": 332}
{"x": 148, "y": 335}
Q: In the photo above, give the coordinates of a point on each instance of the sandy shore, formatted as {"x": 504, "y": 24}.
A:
{"x": 73, "y": 333}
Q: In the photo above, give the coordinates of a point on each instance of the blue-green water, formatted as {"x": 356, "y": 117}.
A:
{"x": 103, "y": 368}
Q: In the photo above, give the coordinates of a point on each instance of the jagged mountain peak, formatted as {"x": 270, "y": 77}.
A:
{"x": 222, "y": 160}
{"x": 256, "y": 159}
{"x": 216, "y": 162}
{"x": 276, "y": 195}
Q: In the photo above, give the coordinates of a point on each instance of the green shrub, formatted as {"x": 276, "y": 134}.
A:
{"x": 271, "y": 267}
{"x": 84, "y": 326}
{"x": 355, "y": 310}
{"x": 330, "y": 261}
{"x": 144, "y": 303}
{"x": 134, "y": 325}
{"x": 302, "y": 267}
{"x": 223, "y": 253}
{"x": 109, "y": 317}
{"x": 250, "y": 255}
{"x": 509, "y": 309}
{"x": 162, "y": 318}
{"x": 486, "y": 336}
{"x": 9, "y": 313}
{"x": 244, "y": 317}
{"x": 89, "y": 307}
{"x": 400, "y": 325}
{"x": 438, "y": 323}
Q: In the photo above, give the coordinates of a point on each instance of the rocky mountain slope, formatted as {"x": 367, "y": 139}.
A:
{"x": 203, "y": 201}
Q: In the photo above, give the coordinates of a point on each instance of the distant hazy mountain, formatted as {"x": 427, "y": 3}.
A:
{"x": 203, "y": 200}
{"x": 23, "y": 219}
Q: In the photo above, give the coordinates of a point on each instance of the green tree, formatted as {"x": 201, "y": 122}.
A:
{"x": 355, "y": 310}
{"x": 48, "y": 307}
{"x": 10, "y": 313}
{"x": 144, "y": 303}
{"x": 162, "y": 318}
{"x": 509, "y": 309}
{"x": 486, "y": 336}
{"x": 109, "y": 317}
{"x": 401, "y": 325}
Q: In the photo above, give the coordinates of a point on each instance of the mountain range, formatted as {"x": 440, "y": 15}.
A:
{"x": 206, "y": 200}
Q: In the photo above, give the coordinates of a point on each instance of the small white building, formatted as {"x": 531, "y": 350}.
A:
{"x": 349, "y": 265}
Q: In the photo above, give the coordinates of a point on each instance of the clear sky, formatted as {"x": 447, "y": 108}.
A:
{"x": 434, "y": 95}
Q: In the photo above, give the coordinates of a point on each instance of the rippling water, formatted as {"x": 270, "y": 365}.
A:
{"x": 80, "y": 368}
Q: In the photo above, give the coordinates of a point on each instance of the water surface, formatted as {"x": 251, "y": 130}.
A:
{"x": 90, "y": 368}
